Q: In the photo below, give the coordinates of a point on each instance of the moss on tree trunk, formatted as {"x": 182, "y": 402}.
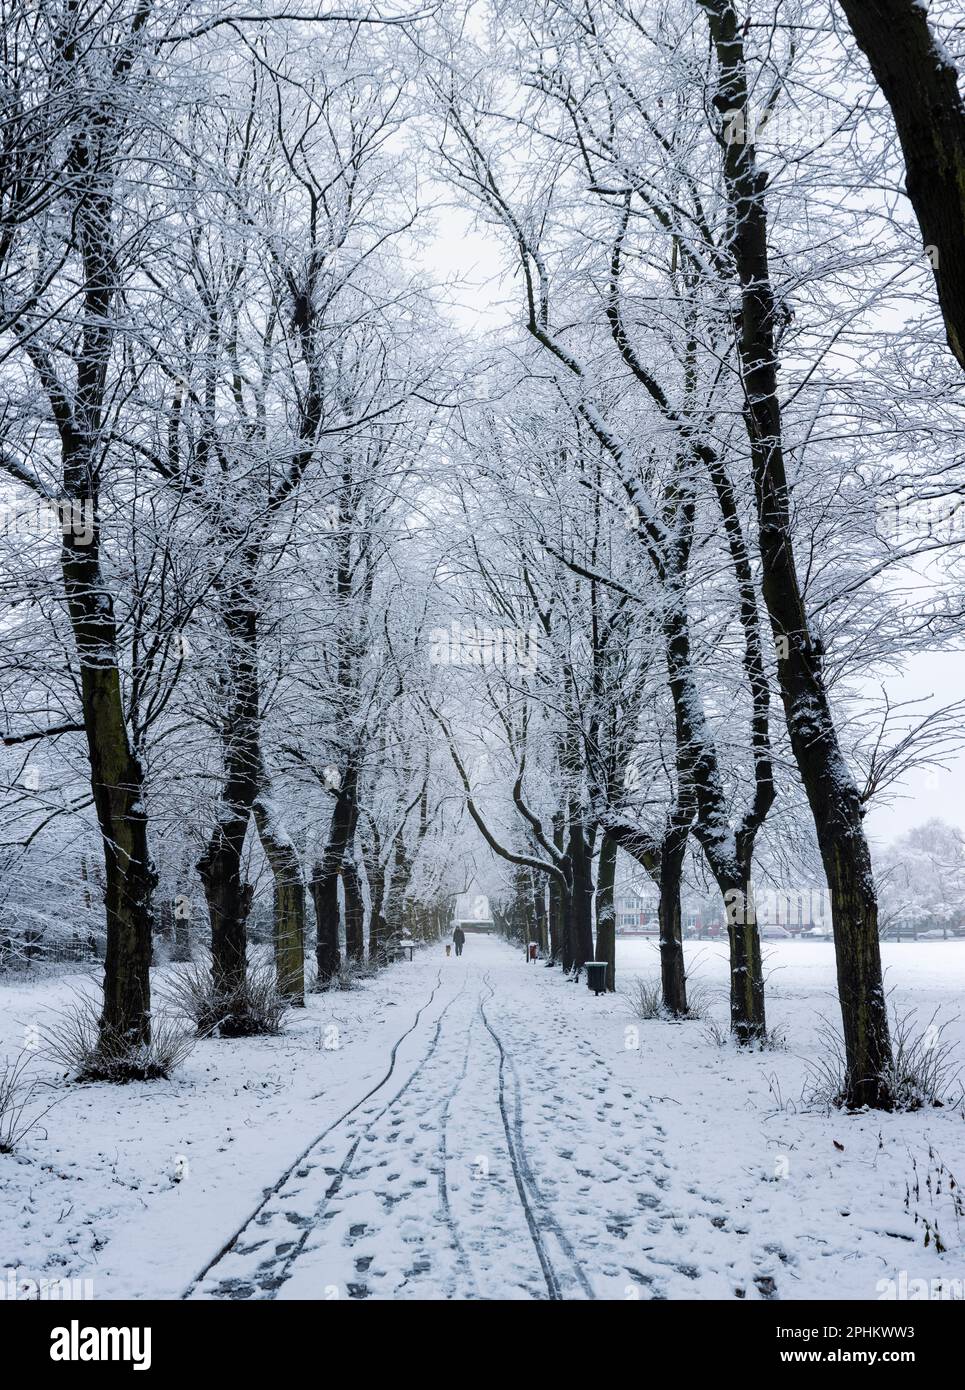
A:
{"x": 606, "y": 921}
{"x": 288, "y": 920}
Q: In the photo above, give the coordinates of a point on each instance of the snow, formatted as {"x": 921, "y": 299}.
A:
{"x": 476, "y": 1127}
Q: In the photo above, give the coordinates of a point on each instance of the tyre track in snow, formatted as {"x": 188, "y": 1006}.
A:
{"x": 516, "y": 1237}
{"x": 276, "y": 1187}
{"x": 274, "y": 1281}
{"x": 269, "y": 1261}
{"x": 645, "y": 1137}
{"x": 477, "y": 1270}
{"x": 654, "y": 1244}
{"x": 467, "y": 1243}
{"x": 444, "y": 1156}
{"x": 539, "y": 1218}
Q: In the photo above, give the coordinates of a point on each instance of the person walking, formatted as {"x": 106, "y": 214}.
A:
{"x": 459, "y": 940}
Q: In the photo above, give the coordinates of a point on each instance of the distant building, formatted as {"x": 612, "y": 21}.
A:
{"x": 636, "y": 908}
{"x": 795, "y": 909}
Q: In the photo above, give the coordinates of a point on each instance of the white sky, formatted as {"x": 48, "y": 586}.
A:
{"x": 927, "y": 792}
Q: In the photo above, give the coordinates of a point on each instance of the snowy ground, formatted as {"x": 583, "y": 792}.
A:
{"x": 479, "y": 1128}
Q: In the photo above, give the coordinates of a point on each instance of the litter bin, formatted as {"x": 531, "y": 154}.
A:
{"x": 596, "y": 976}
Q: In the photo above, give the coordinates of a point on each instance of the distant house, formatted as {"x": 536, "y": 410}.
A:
{"x": 636, "y": 909}
{"x": 797, "y": 910}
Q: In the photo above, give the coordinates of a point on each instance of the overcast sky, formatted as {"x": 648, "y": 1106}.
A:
{"x": 930, "y": 792}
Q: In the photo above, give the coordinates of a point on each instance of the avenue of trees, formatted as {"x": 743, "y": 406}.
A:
{"x": 325, "y": 597}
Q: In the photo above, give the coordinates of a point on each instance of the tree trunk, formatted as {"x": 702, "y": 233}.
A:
{"x": 606, "y": 921}
{"x": 581, "y": 914}
{"x": 539, "y": 908}
{"x": 831, "y": 791}
{"x": 375, "y": 873}
{"x": 354, "y": 911}
{"x": 182, "y": 930}
{"x": 116, "y": 775}
{"x": 325, "y": 877}
{"x": 165, "y": 921}
{"x": 747, "y": 1018}
{"x": 288, "y": 927}
{"x": 664, "y": 864}
{"x": 673, "y": 976}
{"x": 399, "y": 878}
{"x": 524, "y": 912}
{"x": 558, "y": 909}
{"x": 227, "y": 896}
{"x": 555, "y": 920}
{"x": 703, "y": 772}
{"x": 117, "y": 784}
{"x": 116, "y": 781}
{"x": 229, "y": 902}
{"x": 920, "y": 82}
{"x": 566, "y": 932}
{"x": 324, "y": 891}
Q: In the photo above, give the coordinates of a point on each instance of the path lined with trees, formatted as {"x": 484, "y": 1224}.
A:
{"x": 321, "y": 607}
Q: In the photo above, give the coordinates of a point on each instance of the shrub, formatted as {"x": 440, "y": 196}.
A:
{"x": 76, "y": 1042}
{"x": 718, "y": 1034}
{"x": 935, "y": 1203}
{"x": 646, "y": 998}
{"x": 924, "y": 1069}
{"x": 255, "y": 1008}
{"x": 646, "y": 1001}
{"x": 351, "y": 974}
{"x": 17, "y": 1094}
{"x": 721, "y": 1035}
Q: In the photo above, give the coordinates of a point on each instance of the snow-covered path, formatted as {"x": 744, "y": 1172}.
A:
{"x": 500, "y": 1158}
{"x": 503, "y": 1156}
{"x": 479, "y": 1128}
